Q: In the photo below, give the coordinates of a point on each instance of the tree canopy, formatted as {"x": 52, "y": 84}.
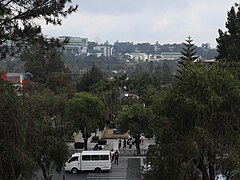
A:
{"x": 32, "y": 133}
{"x": 87, "y": 113}
{"x": 196, "y": 125}
{"x": 18, "y": 25}
{"x": 135, "y": 118}
{"x": 229, "y": 41}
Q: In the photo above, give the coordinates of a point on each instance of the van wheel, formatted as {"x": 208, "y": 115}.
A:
{"x": 74, "y": 170}
{"x": 97, "y": 170}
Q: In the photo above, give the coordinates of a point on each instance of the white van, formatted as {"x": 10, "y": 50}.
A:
{"x": 88, "y": 161}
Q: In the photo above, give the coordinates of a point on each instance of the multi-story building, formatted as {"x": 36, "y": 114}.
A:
{"x": 139, "y": 56}
{"x": 75, "y": 45}
{"x": 106, "y": 50}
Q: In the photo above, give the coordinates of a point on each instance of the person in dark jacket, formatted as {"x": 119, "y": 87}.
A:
{"x": 116, "y": 156}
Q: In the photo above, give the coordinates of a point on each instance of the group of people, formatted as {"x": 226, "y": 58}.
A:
{"x": 115, "y": 156}
{"x": 128, "y": 142}
{"x": 97, "y": 147}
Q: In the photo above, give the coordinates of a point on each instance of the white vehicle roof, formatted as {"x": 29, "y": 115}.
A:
{"x": 76, "y": 154}
{"x": 92, "y": 153}
{"x": 95, "y": 152}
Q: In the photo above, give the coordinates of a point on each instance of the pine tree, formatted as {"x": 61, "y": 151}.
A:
{"x": 188, "y": 54}
{"x": 229, "y": 41}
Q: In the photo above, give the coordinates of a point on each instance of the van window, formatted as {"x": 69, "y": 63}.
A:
{"x": 104, "y": 157}
{"x": 95, "y": 157}
{"x": 86, "y": 157}
{"x": 74, "y": 158}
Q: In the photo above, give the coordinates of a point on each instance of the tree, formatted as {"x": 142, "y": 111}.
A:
{"x": 135, "y": 118}
{"x": 46, "y": 139}
{"x": 17, "y": 19}
{"x": 90, "y": 78}
{"x": 15, "y": 157}
{"x": 188, "y": 52}
{"x": 188, "y": 55}
{"x": 196, "y": 125}
{"x": 87, "y": 113}
{"x": 41, "y": 62}
{"x": 229, "y": 41}
{"x": 32, "y": 133}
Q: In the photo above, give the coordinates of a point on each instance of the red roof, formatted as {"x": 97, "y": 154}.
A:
{"x": 14, "y": 79}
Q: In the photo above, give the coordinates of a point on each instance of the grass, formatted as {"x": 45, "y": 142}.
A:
{"x": 108, "y": 134}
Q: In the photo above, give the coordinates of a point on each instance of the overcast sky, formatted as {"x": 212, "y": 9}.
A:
{"x": 165, "y": 21}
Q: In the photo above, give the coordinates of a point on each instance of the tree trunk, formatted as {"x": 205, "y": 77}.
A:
{"x": 211, "y": 165}
{"x": 43, "y": 171}
{"x": 201, "y": 166}
{"x": 85, "y": 143}
{"x": 85, "y": 137}
{"x": 229, "y": 174}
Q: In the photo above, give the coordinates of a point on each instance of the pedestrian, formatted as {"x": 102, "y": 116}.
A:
{"x": 100, "y": 148}
{"x": 130, "y": 143}
{"x": 116, "y": 156}
{"x": 95, "y": 147}
{"x": 119, "y": 142}
{"x": 112, "y": 155}
{"x": 142, "y": 138}
{"x": 124, "y": 143}
{"x": 138, "y": 141}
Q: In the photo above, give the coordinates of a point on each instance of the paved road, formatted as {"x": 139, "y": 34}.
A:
{"x": 127, "y": 169}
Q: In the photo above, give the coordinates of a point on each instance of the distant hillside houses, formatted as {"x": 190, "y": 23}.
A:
{"x": 154, "y": 57}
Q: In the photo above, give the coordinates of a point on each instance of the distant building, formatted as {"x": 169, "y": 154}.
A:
{"x": 170, "y": 55}
{"x": 76, "y": 45}
{"x": 139, "y": 56}
{"x": 106, "y": 50}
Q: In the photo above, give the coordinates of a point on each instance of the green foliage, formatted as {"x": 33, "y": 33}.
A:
{"x": 41, "y": 62}
{"x": 188, "y": 52}
{"x": 15, "y": 157}
{"x": 48, "y": 131}
{"x": 61, "y": 82}
{"x": 18, "y": 19}
{"x": 135, "y": 118}
{"x": 31, "y": 133}
{"x": 87, "y": 113}
{"x": 90, "y": 78}
{"x": 197, "y": 124}
{"x": 229, "y": 41}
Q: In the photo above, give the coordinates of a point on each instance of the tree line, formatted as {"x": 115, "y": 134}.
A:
{"x": 194, "y": 114}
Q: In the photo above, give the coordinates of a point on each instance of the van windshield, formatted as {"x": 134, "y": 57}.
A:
{"x": 74, "y": 158}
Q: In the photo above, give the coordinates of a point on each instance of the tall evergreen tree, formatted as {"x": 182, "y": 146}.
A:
{"x": 188, "y": 54}
{"x": 229, "y": 41}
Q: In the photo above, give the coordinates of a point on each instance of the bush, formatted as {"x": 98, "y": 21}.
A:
{"x": 111, "y": 126}
{"x": 79, "y": 145}
{"x": 148, "y": 136}
{"x": 95, "y": 139}
{"x": 102, "y": 142}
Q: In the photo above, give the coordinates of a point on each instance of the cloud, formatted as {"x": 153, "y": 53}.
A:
{"x": 145, "y": 20}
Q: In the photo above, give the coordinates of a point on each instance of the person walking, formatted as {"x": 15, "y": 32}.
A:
{"x": 142, "y": 138}
{"x": 116, "y": 156}
{"x": 112, "y": 155}
{"x": 137, "y": 141}
{"x": 119, "y": 142}
{"x": 130, "y": 143}
{"x": 124, "y": 143}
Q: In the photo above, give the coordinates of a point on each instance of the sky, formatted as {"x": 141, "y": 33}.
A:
{"x": 139, "y": 21}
